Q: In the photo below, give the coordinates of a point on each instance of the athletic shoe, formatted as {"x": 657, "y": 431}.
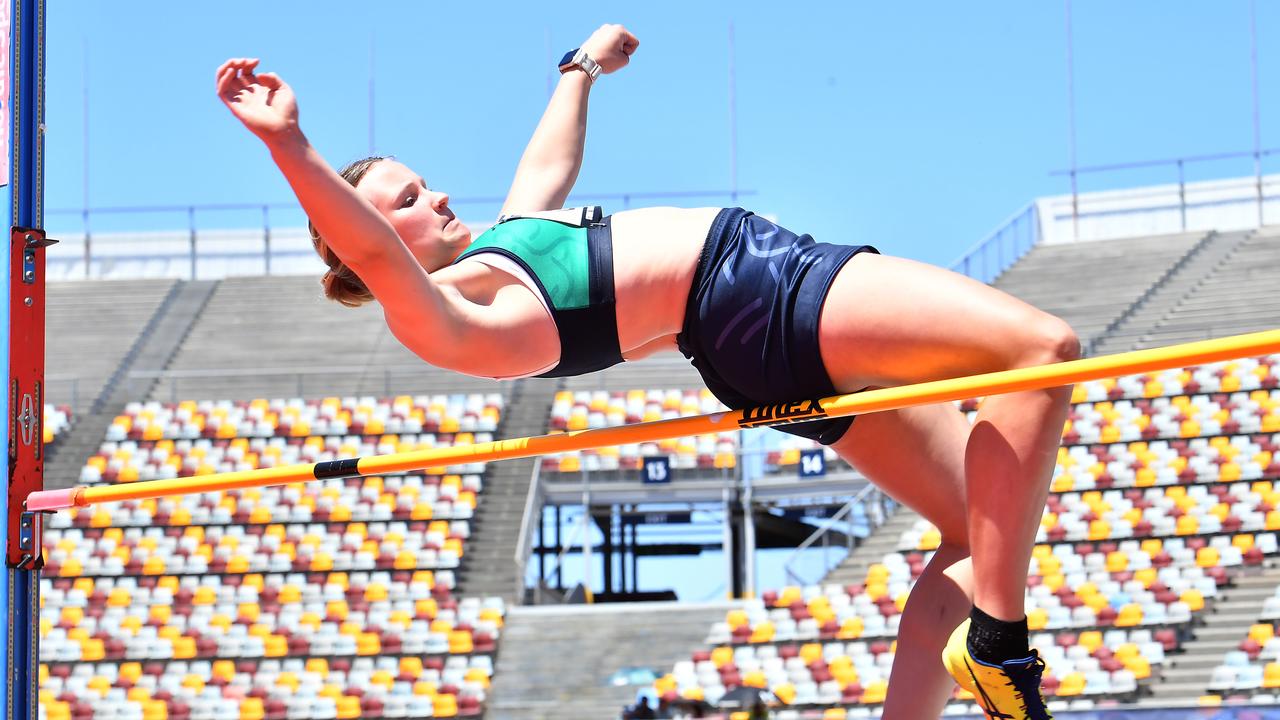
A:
{"x": 1008, "y": 691}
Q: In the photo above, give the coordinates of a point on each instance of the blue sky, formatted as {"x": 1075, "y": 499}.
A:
{"x": 915, "y": 126}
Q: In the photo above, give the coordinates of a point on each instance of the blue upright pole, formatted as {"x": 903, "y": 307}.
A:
{"x": 22, "y": 350}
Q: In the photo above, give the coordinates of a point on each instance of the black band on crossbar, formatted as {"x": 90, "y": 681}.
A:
{"x": 337, "y": 469}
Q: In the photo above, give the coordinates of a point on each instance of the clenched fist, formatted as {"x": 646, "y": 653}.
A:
{"x": 611, "y": 47}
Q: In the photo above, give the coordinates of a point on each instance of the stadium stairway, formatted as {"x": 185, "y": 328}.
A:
{"x": 1127, "y": 332}
{"x": 489, "y": 566}
{"x": 1091, "y": 284}
{"x": 1185, "y": 676}
{"x": 556, "y": 661}
{"x": 884, "y": 539}
{"x": 156, "y": 345}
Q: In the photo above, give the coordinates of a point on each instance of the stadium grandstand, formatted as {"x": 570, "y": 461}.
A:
{"x": 459, "y": 592}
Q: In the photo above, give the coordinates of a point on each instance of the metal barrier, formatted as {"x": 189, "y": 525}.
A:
{"x": 266, "y": 229}
{"x": 524, "y": 543}
{"x": 1180, "y": 163}
{"x": 155, "y": 380}
{"x": 992, "y": 255}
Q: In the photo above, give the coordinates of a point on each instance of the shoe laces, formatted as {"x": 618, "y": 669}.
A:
{"x": 1025, "y": 680}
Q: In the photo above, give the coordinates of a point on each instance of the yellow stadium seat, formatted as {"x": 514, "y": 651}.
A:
{"x": 1271, "y": 675}
{"x": 348, "y": 707}
{"x": 1071, "y": 685}
{"x": 369, "y": 643}
{"x": 876, "y": 573}
{"x": 763, "y": 633}
{"x": 1129, "y": 615}
{"x": 1117, "y": 561}
{"x": 809, "y": 652}
{"x": 99, "y": 684}
{"x": 445, "y": 705}
{"x": 874, "y": 692}
{"x": 251, "y": 708}
{"x": 851, "y": 629}
{"x": 480, "y": 677}
{"x": 1037, "y": 619}
{"x": 1207, "y": 557}
{"x": 92, "y": 650}
{"x": 785, "y": 692}
{"x": 130, "y": 671}
{"x": 275, "y": 646}
{"x": 1187, "y": 525}
{"x": 1090, "y": 640}
{"x": 460, "y": 642}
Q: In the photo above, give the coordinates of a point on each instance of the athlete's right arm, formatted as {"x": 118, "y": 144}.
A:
{"x": 349, "y": 223}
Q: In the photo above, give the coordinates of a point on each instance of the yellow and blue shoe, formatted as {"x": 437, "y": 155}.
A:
{"x": 1008, "y": 691}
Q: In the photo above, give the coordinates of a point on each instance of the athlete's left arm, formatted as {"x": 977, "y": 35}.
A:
{"x": 550, "y": 164}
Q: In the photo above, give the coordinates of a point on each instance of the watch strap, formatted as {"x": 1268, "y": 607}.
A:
{"x": 582, "y": 61}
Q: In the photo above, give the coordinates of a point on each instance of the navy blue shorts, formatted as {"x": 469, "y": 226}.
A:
{"x": 751, "y": 323}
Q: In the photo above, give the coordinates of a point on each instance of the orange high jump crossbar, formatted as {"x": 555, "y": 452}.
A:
{"x": 1007, "y": 381}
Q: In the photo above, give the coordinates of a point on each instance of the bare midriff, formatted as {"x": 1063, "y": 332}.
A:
{"x": 655, "y": 256}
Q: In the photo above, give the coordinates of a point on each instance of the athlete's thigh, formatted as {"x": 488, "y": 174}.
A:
{"x": 892, "y": 321}
{"x": 916, "y": 456}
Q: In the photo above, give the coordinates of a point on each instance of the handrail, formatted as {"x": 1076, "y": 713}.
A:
{"x": 194, "y": 229}
{"x": 476, "y": 200}
{"x": 258, "y": 371}
{"x": 299, "y": 374}
{"x": 524, "y": 544}
{"x": 558, "y": 560}
{"x": 974, "y": 262}
{"x": 858, "y": 499}
{"x": 1180, "y": 163}
{"x": 1135, "y": 164}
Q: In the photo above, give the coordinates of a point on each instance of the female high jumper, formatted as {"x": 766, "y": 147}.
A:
{"x": 765, "y": 315}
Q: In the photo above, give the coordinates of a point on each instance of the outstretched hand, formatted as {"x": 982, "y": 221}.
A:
{"x": 262, "y": 101}
{"x": 611, "y": 47}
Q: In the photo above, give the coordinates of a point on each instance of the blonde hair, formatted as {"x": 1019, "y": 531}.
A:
{"x": 340, "y": 283}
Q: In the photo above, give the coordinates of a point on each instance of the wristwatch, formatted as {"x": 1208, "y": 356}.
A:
{"x": 577, "y": 59}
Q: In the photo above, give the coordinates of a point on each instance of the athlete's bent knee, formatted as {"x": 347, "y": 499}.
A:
{"x": 1051, "y": 340}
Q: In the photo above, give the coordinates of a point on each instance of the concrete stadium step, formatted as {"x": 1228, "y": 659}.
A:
{"x": 1090, "y": 284}
{"x": 1185, "y": 677}
{"x": 489, "y": 565}
{"x": 555, "y": 661}
{"x": 1177, "y": 284}
{"x": 1235, "y": 295}
{"x": 159, "y": 340}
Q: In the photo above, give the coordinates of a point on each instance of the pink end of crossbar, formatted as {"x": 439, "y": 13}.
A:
{"x": 51, "y": 500}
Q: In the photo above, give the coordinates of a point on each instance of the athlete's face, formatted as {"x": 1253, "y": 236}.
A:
{"x": 420, "y": 215}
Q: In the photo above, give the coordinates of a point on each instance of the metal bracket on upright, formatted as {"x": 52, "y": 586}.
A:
{"x": 30, "y": 540}
{"x": 26, "y": 393}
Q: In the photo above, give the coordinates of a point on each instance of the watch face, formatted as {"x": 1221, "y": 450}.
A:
{"x": 568, "y": 57}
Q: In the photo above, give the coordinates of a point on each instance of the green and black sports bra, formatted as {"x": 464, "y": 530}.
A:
{"x": 568, "y": 256}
